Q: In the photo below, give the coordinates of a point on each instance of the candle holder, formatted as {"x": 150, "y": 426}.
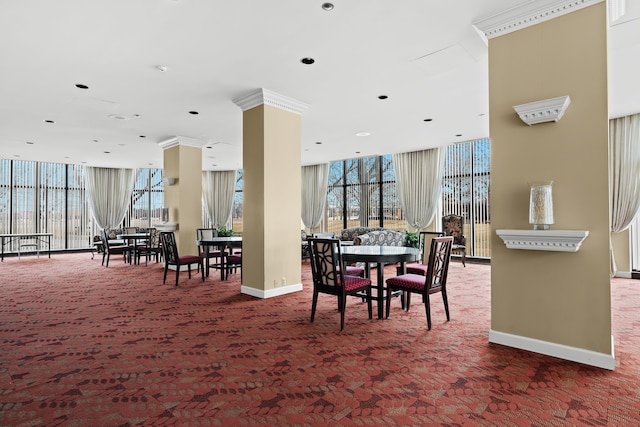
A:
{"x": 541, "y": 206}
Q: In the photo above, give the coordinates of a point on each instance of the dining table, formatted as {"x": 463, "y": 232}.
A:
{"x": 380, "y": 255}
{"x": 220, "y": 242}
{"x": 134, "y": 238}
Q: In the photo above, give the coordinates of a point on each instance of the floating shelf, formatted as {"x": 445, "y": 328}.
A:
{"x": 166, "y": 227}
{"x": 543, "y": 240}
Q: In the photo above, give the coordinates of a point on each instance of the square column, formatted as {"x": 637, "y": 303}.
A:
{"x": 271, "y": 264}
{"x": 183, "y": 164}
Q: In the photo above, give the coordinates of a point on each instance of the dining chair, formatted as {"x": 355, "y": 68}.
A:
{"x": 150, "y": 248}
{"x": 329, "y": 277}
{"x": 425, "y": 244}
{"x": 433, "y": 282}
{"x": 114, "y": 249}
{"x": 171, "y": 257}
{"x": 214, "y": 254}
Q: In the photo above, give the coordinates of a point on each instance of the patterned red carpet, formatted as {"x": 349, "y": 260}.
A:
{"x": 84, "y": 345}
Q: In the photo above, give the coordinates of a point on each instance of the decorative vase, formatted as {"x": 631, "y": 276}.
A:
{"x": 541, "y": 206}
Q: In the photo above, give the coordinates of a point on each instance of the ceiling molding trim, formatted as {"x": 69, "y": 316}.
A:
{"x": 267, "y": 97}
{"x": 546, "y": 110}
{"x": 174, "y": 141}
{"x": 528, "y": 14}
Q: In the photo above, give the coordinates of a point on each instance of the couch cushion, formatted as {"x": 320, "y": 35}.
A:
{"x": 353, "y": 232}
{"x": 381, "y": 238}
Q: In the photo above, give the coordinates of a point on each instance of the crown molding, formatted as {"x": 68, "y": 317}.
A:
{"x": 546, "y": 110}
{"x": 526, "y": 15}
{"x": 267, "y": 97}
{"x": 181, "y": 140}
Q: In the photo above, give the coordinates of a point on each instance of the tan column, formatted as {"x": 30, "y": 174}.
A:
{"x": 272, "y": 194}
{"x": 552, "y": 302}
{"x": 183, "y": 164}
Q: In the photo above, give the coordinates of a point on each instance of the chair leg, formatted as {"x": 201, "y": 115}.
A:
{"x": 388, "y": 305}
{"x": 369, "y": 304}
{"x": 201, "y": 267}
{"x": 344, "y": 308}
{"x": 427, "y": 308}
{"x": 177, "y": 273}
{"x": 446, "y": 303}
{"x": 314, "y": 303}
{"x": 166, "y": 268}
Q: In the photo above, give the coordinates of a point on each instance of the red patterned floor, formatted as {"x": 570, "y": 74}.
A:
{"x": 83, "y": 345}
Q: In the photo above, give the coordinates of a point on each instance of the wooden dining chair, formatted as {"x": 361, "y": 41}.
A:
{"x": 329, "y": 277}
{"x": 171, "y": 257}
{"x": 433, "y": 282}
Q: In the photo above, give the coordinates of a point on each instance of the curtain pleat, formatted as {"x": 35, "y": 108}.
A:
{"x": 419, "y": 183}
{"x": 624, "y": 173}
{"x": 315, "y": 179}
{"x": 218, "y": 188}
{"x": 109, "y": 194}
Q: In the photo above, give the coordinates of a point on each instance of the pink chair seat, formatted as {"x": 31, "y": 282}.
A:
{"x": 355, "y": 283}
{"x": 409, "y": 281}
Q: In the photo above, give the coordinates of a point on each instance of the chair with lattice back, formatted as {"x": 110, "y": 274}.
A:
{"x": 171, "y": 257}
{"x": 329, "y": 277}
{"x": 435, "y": 281}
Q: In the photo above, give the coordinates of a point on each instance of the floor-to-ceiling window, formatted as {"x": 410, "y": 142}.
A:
{"x": 147, "y": 199}
{"x": 465, "y": 192}
{"x": 363, "y": 192}
{"x": 44, "y": 198}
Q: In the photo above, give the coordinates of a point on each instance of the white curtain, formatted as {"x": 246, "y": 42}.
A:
{"x": 109, "y": 194}
{"x": 624, "y": 173}
{"x": 218, "y": 188}
{"x": 419, "y": 182}
{"x": 315, "y": 179}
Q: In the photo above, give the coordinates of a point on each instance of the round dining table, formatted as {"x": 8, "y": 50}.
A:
{"x": 380, "y": 255}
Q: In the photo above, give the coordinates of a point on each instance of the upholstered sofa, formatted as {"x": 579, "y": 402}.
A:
{"x": 351, "y": 233}
{"x": 381, "y": 237}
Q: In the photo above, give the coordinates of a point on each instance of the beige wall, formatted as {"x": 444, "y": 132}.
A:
{"x": 272, "y": 198}
{"x": 184, "y": 199}
{"x": 555, "y": 297}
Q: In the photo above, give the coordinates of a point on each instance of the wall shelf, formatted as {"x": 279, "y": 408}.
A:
{"x": 166, "y": 226}
{"x": 543, "y": 240}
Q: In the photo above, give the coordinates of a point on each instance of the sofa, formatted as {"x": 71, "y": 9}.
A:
{"x": 351, "y": 233}
{"x": 381, "y": 237}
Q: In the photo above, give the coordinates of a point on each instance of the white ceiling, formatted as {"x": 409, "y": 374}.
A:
{"x": 424, "y": 55}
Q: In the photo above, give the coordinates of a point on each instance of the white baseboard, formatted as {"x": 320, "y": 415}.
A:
{"x": 623, "y": 274}
{"x": 574, "y": 354}
{"x": 270, "y": 293}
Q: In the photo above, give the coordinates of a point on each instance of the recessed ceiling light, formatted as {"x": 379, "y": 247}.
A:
{"x": 357, "y": 152}
{"x": 95, "y": 140}
{"x": 137, "y": 115}
{"x": 327, "y": 6}
{"x": 318, "y": 143}
{"x": 49, "y": 121}
{"x": 149, "y": 164}
{"x": 142, "y": 136}
{"x": 193, "y": 112}
{"x": 161, "y": 68}
{"x": 81, "y": 86}
{"x": 427, "y": 120}
{"x": 458, "y": 134}
{"x": 29, "y": 142}
{"x": 307, "y": 61}
{"x": 383, "y": 97}
{"x": 363, "y": 134}
{"x": 118, "y": 117}
{"x": 107, "y": 152}
{"x": 16, "y": 155}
